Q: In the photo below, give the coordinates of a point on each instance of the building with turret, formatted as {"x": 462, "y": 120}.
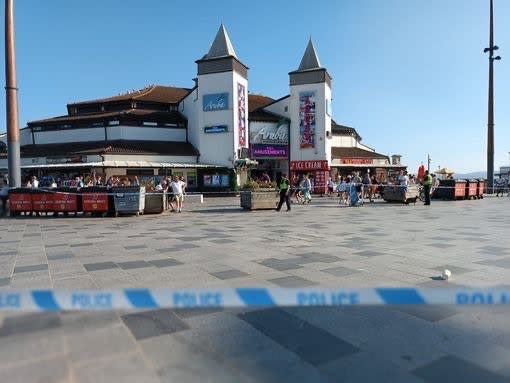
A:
{"x": 205, "y": 132}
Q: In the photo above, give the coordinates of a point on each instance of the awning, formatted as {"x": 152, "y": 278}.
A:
{"x": 121, "y": 164}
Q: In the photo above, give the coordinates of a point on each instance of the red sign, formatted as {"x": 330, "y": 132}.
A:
{"x": 356, "y": 161}
{"x": 309, "y": 165}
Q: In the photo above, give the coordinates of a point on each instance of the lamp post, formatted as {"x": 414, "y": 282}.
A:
{"x": 11, "y": 90}
{"x": 490, "y": 114}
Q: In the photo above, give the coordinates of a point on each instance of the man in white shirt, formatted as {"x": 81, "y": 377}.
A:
{"x": 35, "y": 182}
{"x": 178, "y": 190}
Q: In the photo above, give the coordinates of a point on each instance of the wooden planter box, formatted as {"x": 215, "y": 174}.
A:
{"x": 257, "y": 199}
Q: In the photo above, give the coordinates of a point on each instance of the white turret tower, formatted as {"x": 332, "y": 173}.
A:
{"x": 222, "y": 103}
{"x": 310, "y": 114}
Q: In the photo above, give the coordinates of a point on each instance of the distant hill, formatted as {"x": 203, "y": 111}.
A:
{"x": 479, "y": 174}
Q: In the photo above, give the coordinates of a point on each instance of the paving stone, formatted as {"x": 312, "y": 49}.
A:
{"x": 153, "y": 323}
{"x": 165, "y": 262}
{"x": 292, "y": 281}
{"x": 28, "y": 323}
{"x": 312, "y": 344}
{"x": 456, "y": 270}
{"x": 53, "y": 369}
{"x": 340, "y": 271}
{"x": 133, "y": 265}
{"x": 85, "y": 244}
{"x": 431, "y": 313}
{"x": 99, "y": 266}
{"x": 60, "y": 256}
{"x": 503, "y": 263}
{"x": 369, "y": 253}
{"x": 131, "y": 367}
{"x": 453, "y": 369}
{"x": 281, "y": 264}
{"x": 229, "y": 274}
{"x": 24, "y": 269}
{"x": 134, "y": 247}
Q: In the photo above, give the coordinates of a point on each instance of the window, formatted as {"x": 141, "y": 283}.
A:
{"x": 286, "y": 109}
{"x": 113, "y": 122}
{"x": 149, "y": 123}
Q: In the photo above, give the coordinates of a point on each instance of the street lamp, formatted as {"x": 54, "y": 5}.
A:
{"x": 490, "y": 115}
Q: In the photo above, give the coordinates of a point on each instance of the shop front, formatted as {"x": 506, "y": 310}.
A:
{"x": 318, "y": 171}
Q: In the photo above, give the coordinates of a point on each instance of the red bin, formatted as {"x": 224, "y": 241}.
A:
{"x": 20, "y": 200}
{"x": 94, "y": 202}
{"x": 471, "y": 189}
{"x": 65, "y": 201}
{"x": 42, "y": 201}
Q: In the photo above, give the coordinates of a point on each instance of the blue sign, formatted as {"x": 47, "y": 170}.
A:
{"x": 216, "y": 129}
{"x": 215, "y": 101}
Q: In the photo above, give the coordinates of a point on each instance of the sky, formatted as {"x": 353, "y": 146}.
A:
{"x": 409, "y": 75}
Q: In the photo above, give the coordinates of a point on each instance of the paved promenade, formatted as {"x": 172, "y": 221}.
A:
{"x": 217, "y": 244}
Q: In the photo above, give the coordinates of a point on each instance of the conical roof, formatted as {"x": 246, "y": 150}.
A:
{"x": 310, "y": 59}
{"x": 221, "y": 46}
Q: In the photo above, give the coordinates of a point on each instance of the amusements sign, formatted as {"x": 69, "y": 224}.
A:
{"x": 307, "y": 119}
{"x": 269, "y": 151}
{"x": 215, "y": 101}
{"x": 241, "y": 105}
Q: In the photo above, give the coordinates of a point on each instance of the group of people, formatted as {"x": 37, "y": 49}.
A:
{"x": 176, "y": 187}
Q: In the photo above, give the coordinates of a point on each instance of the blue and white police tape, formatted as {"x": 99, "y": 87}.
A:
{"x": 122, "y": 299}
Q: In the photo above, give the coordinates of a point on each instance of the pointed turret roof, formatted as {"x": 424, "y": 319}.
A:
{"x": 310, "y": 59}
{"x": 221, "y": 46}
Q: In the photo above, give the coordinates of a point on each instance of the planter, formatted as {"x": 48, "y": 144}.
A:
{"x": 259, "y": 199}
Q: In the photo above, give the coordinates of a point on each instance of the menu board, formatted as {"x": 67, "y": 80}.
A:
{"x": 320, "y": 181}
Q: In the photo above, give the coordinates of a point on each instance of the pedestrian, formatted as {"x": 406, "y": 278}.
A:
{"x": 178, "y": 191}
{"x": 4, "y": 193}
{"x": 367, "y": 186}
{"x": 284, "y": 192}
{"x": 427, "y": 183}
{"x": 306, "y": 185}
{"x": 35, "y": 182}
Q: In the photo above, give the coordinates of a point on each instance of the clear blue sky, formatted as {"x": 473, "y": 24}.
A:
{"x": 409, "y": 75}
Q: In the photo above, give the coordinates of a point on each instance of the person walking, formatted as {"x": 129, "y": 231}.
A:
{"x": 427, "y": 183}
{"x": 284, "y": 192}
{"x": 178, "y": 190}
{"x": 307, "y": 187}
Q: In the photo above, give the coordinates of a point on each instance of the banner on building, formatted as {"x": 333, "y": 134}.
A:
{"x": 307, "y": 119}
{"x": 215, "y": 101}
{"x": 241, "y": 113}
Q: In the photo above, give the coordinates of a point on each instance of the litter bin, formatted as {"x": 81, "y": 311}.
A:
{"x": 470, "y": 191}
{"x": 481, "y": 188}
{"x": 129, "y": 199}
{"x": 95, "y": 200}
{"x": 42, "y": 201}
{"x": 155, "y": 202}
{"x": 451, "y": 190}
{"x": 20, "y": 201}
{"x": 67, "y": 200}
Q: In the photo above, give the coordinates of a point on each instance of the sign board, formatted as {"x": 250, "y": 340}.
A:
{"x": 216, "y": 129}
{"x": 215, "y": 101}
{"x": 309, "y": 165}
{"x": 356, "y": 161}
{"x": 269, "y": 151}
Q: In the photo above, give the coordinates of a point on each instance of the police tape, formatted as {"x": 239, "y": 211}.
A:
{"x": 126, "y": 299}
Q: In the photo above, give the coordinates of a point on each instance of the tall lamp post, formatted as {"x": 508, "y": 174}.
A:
{"x": 11, "y": 90}
{"x": 490, "y": 116}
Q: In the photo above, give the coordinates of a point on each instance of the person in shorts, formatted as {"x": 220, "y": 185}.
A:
{"x": 177, "y": 187}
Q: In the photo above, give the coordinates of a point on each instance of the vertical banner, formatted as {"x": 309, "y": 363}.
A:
{"x": 241, "y": 111}
{"x": 307, "y": 119}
